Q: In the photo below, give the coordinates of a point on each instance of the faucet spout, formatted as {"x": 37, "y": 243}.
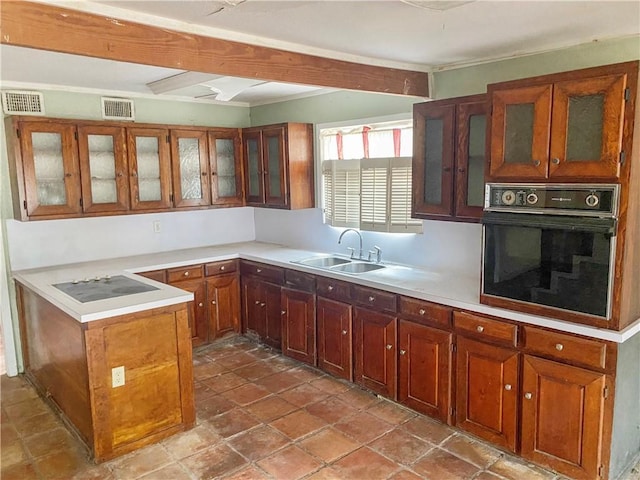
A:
{"x": 359, "y": 236}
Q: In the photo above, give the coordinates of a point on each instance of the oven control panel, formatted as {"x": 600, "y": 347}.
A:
{"x": 574, "y": 199}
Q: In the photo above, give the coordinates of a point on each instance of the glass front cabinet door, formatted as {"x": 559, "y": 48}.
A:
{"x": 50, "y": 168}
{"x": 149, "y": 168}
{"x": 253, "y": 167}
{"x": 449, "y": 158}
{"x": 225, "y": 161}
{"x": 275, "y": 166}
{"x": 565, "y": 130}
{"x": 189, "y": 155}
{"x": 103, "y": 167}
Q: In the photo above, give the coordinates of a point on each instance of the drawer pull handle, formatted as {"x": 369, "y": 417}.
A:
{"x": 528, "y": 396}
{"x": 422, "y": 311}
{"x": 389, "y": 347}
{"x": 507, "y": 387}
{"x": 402, "y": 352}
{"x": 344, "y": 332}
{"x": 186, "y": 274}
{"x": 330, "y": 287}
{"x": 284, "y": 312}
{"x": 222, "y": 268}
{"x": 559, "y": 347}
{"x": 480, "y": 328}
{"x": 262, "y": 304}
{"x": 258, "y": 270}
{"x": 257, "y": 302}
{"x": 213, "y": 302}
{"x": 372, "y": 298}
{"x": 200, "y": 304}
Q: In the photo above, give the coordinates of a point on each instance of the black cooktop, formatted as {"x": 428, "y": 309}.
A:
{"x": 100, "y": 289}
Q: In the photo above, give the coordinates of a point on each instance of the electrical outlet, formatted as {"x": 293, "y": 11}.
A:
{"x": 157, "y": 227}
{"x": 117, "y": 377}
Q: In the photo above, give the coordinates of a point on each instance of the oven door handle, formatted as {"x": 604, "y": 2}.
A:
{"x": 556, "y": 222}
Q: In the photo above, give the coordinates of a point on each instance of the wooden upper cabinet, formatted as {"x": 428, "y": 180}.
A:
{"x": 562, "y": 416}
{"x": 225, "y": 164}
{"x": 278, "y": 165}
{"x": 449, "y": 158}
{"x": 190, "y": 168}
{"x": 149, "y": 168}
{"x": 562, "y": 127}
{"x": 50, "y": 168}
{"x": 103, "y": 168}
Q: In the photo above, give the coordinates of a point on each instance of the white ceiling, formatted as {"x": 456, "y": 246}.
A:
{"x": 395, "y": 33}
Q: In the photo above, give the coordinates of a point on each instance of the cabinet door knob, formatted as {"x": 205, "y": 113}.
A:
{"x": 213, "y": 302}
{"x": 372, "y": 298}
{"x": 204, "y": 174}
{"x": 461, "y": 170}
{"x": 559, "y": 347}
{"x": 119, "y": 174}
{"x": 402, "y": 352}
{"x": 536, "y": 163}
{"x": 200, "y": 304}
{"x": 528, "y": 396}
{"x": 284, "y": 312}
{"x": 186, "y": 274}
{"x": 262, "y": 304}
{"x": 222, "y": 268}
{"x": 422, "y": 311}
{"x": 257, "y": 302}
{"x": 134, "y": 174}
{"x": 446, "y": 169}
{"x": 480, "y": 328}
{"x": 555, "y": 161}
{"x": 344, "y": 332}
{"x": 389, "y": 347}
{"x": 258, "y": 270}
{"x": 507, "y": 387}
{"x": 330, "y": 288}
{"x": 68, "y": 175}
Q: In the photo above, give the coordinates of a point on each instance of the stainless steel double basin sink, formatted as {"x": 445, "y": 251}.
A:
{"x": 339, "y": 264}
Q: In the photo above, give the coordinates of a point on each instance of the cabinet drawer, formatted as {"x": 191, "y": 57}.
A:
{"x": 266, "y": 272}
{"x": 216, "y": 268}
{"x": 425, "y": 312}
{"x": 334, "y": 289}
{"x": 300, "y": 281}
{"x": 485, "y": 328}
{"x": 184, "y": 273}
{"x": 583, "y": 351}
{"x": 375, "y": 299}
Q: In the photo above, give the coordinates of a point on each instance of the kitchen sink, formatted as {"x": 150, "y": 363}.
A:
{"x": 323, "y": 261}
{"x": 357, "y": 267}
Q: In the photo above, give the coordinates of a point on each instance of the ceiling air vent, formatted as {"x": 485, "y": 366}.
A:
{"x": 117, "y": 109}
{"x": 18, "y": 102}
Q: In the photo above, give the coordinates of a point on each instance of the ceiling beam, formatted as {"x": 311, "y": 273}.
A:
{"x": 47, "y": 27}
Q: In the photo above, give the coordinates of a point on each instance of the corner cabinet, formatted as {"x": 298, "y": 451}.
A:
{"x": 278, "y": 163}
{"x": 563, "y": 127}
{"x": 449, "y": 158}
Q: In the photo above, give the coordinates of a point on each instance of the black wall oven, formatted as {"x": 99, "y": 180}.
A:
{"x": 550, "y": 246}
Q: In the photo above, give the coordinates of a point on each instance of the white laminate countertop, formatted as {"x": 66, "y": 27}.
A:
{"x": 440, "y": 287}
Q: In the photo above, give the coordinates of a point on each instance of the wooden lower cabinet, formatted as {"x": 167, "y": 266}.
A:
{"x": 335, "y": 348}
{"x": 562, "y": 416}
{"x": 425, "y": 369}
{"x": 262, "y": 314}
{"x": 487, "y": 391}
{"x": 376, "y": 351}
{"x": 223, "y": 297}
{"x": 70, "y": 363}
{"x": 299, "y": 325}
{"x": 197, "y": 310}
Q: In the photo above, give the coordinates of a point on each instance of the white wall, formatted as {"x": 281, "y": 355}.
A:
{"x": 451, "y": 246}
{"x": 55, "y": 242}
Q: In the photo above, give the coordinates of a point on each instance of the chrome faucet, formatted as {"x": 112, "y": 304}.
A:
{"x": 377, "y": 251}
{"x": 359, "y": 236}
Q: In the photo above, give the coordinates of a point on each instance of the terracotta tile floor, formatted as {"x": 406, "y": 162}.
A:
{"x": 261, "y": 416}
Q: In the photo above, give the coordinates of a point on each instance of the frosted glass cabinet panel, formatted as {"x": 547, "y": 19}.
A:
{"x": 103, "y": 167}
{"x": 275, "y": 188}
{"x": 50, "y": 162}
{"x": 150, "y": 168}
{"x": 189, "y": 155}
{"x": 254, "y": 172}
{"x": 226, "y": 167}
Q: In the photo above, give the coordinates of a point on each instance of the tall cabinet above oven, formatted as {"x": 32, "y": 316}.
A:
{"x": 568, "y": 133}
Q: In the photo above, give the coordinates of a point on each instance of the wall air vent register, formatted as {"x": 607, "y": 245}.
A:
{"x": 117, "y": 109}
{"x": 21, "y": 102}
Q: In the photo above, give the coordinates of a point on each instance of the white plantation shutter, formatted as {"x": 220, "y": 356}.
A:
{"x": 400, "y": 219}
{"x": 374, "y": 195}
{"x": 342, "y": 192}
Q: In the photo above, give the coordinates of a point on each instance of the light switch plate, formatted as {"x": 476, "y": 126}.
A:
{"x": 117, "y": 377}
